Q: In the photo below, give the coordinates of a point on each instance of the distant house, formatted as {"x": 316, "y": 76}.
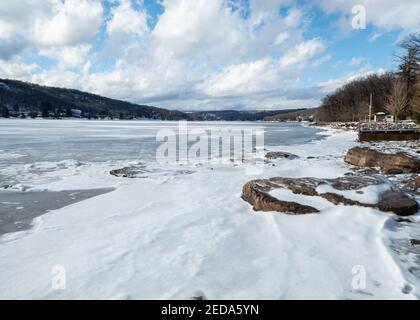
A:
{"x": 76, "y": 113}
{"x": 380, "y": 117}
{"x": 389, "y": 118}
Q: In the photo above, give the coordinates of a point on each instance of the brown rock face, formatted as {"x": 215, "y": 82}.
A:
{"x": 388, "y": 163}
{"x": 256, "y": 195}
{"x": 397, "y": 202}
{"x": 392, "y": 200}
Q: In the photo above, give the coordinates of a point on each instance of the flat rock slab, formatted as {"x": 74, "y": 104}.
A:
{"x": 388, "y": 163}
{"x": 272, "y": 155}
{"x": 392, "y": 199}
{"x": 142, "y": 172}
{"x": 129, "y": 172}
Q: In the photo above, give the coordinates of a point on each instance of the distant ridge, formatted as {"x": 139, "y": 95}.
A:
{"x": 23, "y": 98}
{"x": 31, "y": 97}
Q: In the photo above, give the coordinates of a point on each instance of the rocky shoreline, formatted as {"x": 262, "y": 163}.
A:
{"x": 390, "y": 198}
{"x": 394, "y": 170}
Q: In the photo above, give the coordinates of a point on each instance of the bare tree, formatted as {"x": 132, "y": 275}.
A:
{"x": 415, "y": 101}
{"x": 409, "y": 68}
{"x": 397, "y": 101}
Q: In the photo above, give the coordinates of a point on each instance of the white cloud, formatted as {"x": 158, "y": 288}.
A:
{"x": 203, "y": 55}
{"x": 321, "y": 60}
{"x": 199, "y": 30}
{"x": 356, "y": 61}
{"x": 200, "y": 55}
{"x": 387, "y": 15}
{"x": 302, "y": 52}
{"x": 245, "y": 78}
{"x": 68, "y": 57}
{"x": 70, "y": 23}
{"x": 125, "y": 20}
{"x": 47, "y": 23}
{"x": 14, "y": 70}
{"x": 59, "y": 78}
{"x": 333, "y": 84}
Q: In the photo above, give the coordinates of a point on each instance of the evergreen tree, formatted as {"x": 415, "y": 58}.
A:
{"x": 69, "y": 114}
{"x": 45, "y": 109}
{"x": 4, "y": 111}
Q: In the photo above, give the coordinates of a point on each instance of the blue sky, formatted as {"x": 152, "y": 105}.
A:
{"x": 203, "y": 54}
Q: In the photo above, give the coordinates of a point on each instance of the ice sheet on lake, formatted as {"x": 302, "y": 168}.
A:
{"x": 169, "y": 237}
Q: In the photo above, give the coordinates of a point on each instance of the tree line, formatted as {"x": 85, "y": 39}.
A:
{"x": 397, "y": 93}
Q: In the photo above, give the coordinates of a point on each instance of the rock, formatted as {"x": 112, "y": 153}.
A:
{"x": 388, "y": 163}
{"x": 394, "y": 171}
{"x": 272, "y": 155}
{"x": 398, "y": 202}
{"x": 256, "y": 194}
{"x": 362, "y": 172}
{"x": 413, "y": 184}
{"x": 141, "y": 172}
{"x": 127, "y": 172}
{"x": 391, "y": 200}
{"x": 403, "y": 220}
{"x": 415, "y": 242}
{"x": 340, "y": 199}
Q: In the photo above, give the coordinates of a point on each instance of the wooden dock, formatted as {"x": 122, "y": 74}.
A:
{"x": 375, "y": 132}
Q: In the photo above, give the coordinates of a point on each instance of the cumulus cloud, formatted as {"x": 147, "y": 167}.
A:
{"x": 125, "y": 21}
{"x": 16, "y": 70}
{"x": 199, "y": 54}
{"x": 333, "y": 84}
{"x": 69, "y": 23}
{"x": 301, "y": 53}
{"x": 46, "y": 24}
{"x": 384, "y": 14}
{"x": 68, "y": 57}
{"x": 199, "y": 30}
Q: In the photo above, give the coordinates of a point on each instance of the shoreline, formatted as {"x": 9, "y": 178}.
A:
{"x": 19, "y": 209}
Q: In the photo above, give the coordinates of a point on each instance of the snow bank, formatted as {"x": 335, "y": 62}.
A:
{"x": 168, "y": 236}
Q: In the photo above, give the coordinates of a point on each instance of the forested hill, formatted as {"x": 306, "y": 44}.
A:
{"x": 235, "y": 115}
{"x": 21, "y": 99}
{"x": 351, "y": 102}
{"x": 27, "y": 97}
{"x": 396, "y": 93}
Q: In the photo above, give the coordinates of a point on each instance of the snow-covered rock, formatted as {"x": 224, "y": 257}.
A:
{"x": 364, "y": 191}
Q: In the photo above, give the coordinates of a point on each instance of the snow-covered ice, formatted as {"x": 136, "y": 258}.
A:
{"x": 168, "y": 236}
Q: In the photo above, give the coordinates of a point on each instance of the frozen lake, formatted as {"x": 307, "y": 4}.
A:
{"x": 36, "y": 152}
{"x": 28, "y": 141}
{"x": 176, "y": 232}
{"x": 31, "y": 148}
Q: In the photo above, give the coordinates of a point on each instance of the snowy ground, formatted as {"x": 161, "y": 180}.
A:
{"x": 170, "y": 236}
